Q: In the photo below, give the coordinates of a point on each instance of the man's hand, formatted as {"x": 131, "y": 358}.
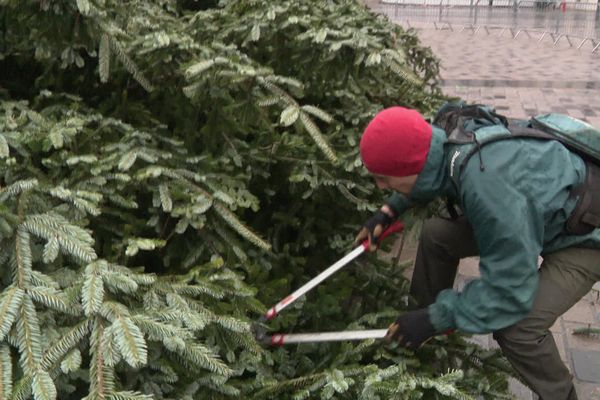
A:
{"x": 375, "y": 226}
{"x": 411, "y": 329}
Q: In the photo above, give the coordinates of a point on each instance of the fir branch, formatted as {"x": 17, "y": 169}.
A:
{"x": 157, "y": 331}
{"x": 6, "y": 383}
{"x": 101, "y": 375}
{"x": 293, "y": 112}
{"x": 239, "y": 227}
{"x": 168, "y": 373}
{"x": 406, "y": 74}
{"x": 200, "y": 308}
{"x": 268, "y": 101}
{"x": 112, "y": 310}
{"x": 130, "y": 65}
{"x": 317, "y": 112}
{"x": 51, "y": 250}
{"x": 289, "y": 115}
{"x": 17, "y": 188}
{"x": 53, "y": 299}
{"x": 374, "y": 58}
{"x": 57, "y": 350}
{"x": 4, "y": 149}
{"x": 111, "y": 354}
{"x": 104, "y": 58}
{"x": 245, "y": 341}
{"x": 212, "y": 382}
{"x": 285, "y": 80}
{"x": 71, "y": 238}
{"x": 202, "y": 357}
{"x": 379, "y": 382}
{"x": 86, "y": 159}
{"x": 143, "y": 279}
{"x": 117, "y": 282}
{"x": 445, "y": 385}
{"x": 23, "y": 258}
{"x": 348, "y": 195}
{"x": 84, "y": 7}
{"x": 202, "y": 287}
{"x": 122, "y": 201}
{"x": 193, "y": 321}
{"x": 277, "y": 387}
{"x": 129, "y": 395}
{"x": 71, "y": 362}
{"x": 136, "y": 244}
{"x": 29, "y": 337}
{"x": 232, "y": 324}
{"x": 127, "y": 160}
{"x": 317, "y": 136}
{"x": 10, "y": 305}
{"x": 177, "y": 302}
{"x": 201, "y": 66}
{"x": 152, "y": 301}
{"x": 92, "y": 292}
{"x": 80, "y": 203}
{"x": 281, "y": 94}
{"x": 130, "y": 341}
{"x": 165, "y": 198}
{"x": 43, "y": 386}
{"x": 22, "y": 389}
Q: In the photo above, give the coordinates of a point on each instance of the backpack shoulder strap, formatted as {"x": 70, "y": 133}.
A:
{"x": 461, "y": 153}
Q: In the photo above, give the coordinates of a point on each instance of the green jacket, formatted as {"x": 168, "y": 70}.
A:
{"x": 517, "y": 206}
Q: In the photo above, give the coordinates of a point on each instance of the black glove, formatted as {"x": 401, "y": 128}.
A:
{"x": 373, "y": 228}
{"x": 411, "y": 329}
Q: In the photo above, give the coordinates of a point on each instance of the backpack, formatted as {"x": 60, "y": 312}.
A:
{"x": 480, "y": 125}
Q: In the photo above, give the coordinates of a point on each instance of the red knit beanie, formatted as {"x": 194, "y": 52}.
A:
{"x": 396, "y": 142}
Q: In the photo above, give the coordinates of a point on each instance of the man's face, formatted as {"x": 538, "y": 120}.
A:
{"x": 402, "y": 184}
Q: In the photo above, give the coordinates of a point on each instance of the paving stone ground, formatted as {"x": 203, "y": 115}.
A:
{"x": 520, "y": 77}
{"x": 524, "y": 77}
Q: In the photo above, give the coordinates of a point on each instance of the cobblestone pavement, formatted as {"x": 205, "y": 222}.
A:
{"x": 523, "y": 77}
{"x": 520, "y": 77}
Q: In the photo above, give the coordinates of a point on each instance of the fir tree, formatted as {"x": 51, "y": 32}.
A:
{"x": 168, "y": 167}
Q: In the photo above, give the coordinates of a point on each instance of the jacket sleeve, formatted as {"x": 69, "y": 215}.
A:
{"x": 399, "y": 203}
{"x": 508, "y": 225}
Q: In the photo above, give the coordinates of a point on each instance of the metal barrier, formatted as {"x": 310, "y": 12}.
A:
{"x": 540, "y": 4}
{"x": 539, "y": 35}
{"x": 557, "y": 17}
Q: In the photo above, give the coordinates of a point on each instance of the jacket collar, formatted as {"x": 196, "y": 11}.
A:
{"x": 433, "y": 180}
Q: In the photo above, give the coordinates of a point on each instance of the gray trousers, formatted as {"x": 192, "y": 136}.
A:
{"x": 564, "y": 278}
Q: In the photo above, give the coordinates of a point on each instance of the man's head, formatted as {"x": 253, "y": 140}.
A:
{"x": 394, "y": 148}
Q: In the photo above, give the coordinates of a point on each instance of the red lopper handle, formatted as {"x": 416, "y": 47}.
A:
{"x": 393, "y": 228}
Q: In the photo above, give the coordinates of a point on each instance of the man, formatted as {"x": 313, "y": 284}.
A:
{"x": 515, "y": 196}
